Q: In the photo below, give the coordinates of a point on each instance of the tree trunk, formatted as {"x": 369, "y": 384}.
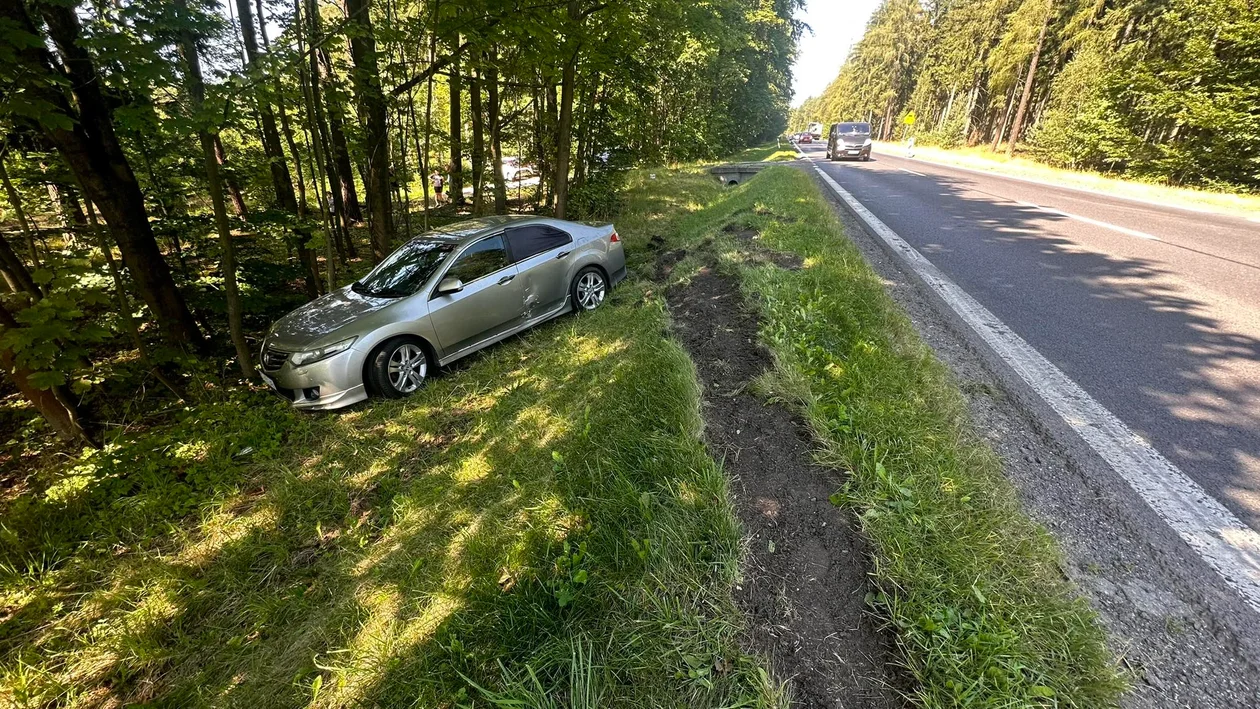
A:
{"x": 16, "y": 273}
{"x": 341, "y": 193}
{"x": 315, "y": 108}
{"x": 564, "y": 129}
{"x": 548, "y": 138}
{"x": 233, "y": 187}
{"x": 478, "y": 140}
{"x": 496, "y": 139}
{"x": 457, "y": 127}
{"x": 197, "y": 94}
{"x": 53, "y": 403}
{"x": 15, "y": 201}
{"x": 1028, "y": 85}
{"x": 280, "y": 178}
{"x": 339, "y": 148}
{"x": 583, "y": 122}
{"x": 428, "y": 126}
{"x": 86, "y": 141}
{"x": 285, "y": 127}
{"x": 367, "y": 86}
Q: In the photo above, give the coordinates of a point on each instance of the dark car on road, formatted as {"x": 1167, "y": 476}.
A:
{"x": 849, "y": 140}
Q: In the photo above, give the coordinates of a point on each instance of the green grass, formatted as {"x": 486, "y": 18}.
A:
{"x": 770, "y": 152}
{"x": 968, "y": 583}
{"x": 541, "y": 526}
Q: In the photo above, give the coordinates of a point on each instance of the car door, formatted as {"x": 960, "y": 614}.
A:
{"x": 489, "y": 304}
{"x": 541, "y": 253}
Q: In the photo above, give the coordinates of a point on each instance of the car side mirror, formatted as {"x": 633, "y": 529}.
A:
{"x": 450, "y": 285}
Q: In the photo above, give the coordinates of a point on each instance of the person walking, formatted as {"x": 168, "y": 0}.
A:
{"x": 438, "y": 181}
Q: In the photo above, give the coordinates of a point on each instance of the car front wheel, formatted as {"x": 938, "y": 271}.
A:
{"x": 589, "y": 289}
{"x": 398, "y": 368}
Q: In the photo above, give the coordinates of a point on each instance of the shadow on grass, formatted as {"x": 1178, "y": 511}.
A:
{"x": 551, "y": 493}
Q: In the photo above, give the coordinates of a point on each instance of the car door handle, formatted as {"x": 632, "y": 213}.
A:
{"x": 506, "y": 279}
{"x": 562, "y": 254}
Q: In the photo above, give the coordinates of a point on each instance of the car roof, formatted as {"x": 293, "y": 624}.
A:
{"x": 469, "y": 229}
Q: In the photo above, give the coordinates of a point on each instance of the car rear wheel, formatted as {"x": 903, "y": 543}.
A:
{"x": 589, "y": 289}
{"x": 398, "y": 368}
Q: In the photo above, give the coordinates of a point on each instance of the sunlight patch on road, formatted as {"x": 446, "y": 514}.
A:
{"x": 1094, "y": 222}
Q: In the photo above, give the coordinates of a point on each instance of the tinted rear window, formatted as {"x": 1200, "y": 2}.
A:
{"x": 534, "y": 239}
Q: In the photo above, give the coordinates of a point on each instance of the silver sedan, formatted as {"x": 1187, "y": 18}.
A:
{"x": 439, "y": 297}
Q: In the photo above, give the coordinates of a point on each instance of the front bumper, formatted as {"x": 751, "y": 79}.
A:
{"x": 852, "y": 152}
{"x": 319, "y": 386}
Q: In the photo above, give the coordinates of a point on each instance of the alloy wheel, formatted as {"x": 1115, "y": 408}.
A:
{"x": 407, "y": 368}
{"x": 591, "y": 290}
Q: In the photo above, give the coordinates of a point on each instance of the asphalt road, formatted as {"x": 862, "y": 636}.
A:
{"x": 1155, "y": 311}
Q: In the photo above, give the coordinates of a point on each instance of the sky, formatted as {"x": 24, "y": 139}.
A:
{"x": 837, "y": 25}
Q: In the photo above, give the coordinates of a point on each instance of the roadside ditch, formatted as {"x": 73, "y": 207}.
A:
{"x": 927, "y": 584}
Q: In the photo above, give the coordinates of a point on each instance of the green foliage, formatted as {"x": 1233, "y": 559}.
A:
{"x": 600, "y": 197}
{"x": 1178, "y": 102}
{"x": 57, "y": 333}
{"x": 1158, "y": 91}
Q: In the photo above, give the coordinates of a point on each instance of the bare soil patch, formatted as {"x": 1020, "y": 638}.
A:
{"x": 805, "y": 572}
{"x": 758, "y": 252}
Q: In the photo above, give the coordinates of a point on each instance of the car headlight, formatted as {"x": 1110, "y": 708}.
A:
{"x": 867, "y": 143}
{"x": 300, "y": 358}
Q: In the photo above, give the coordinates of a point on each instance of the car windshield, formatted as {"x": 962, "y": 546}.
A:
{"x": 405, "y": 270}
{"x": 854, "y": 128}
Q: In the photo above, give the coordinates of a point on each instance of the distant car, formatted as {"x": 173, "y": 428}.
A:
{"x": 515, "y": 169}
{"x": 805, "y": 138}
{"x": 849, "y": 140}
{"x": 441, "y": 296}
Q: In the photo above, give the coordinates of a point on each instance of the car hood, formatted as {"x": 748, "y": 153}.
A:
{"x": 317, "y": 320}
{"x": 854, "y": 138}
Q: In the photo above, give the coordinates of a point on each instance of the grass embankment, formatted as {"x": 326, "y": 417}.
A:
{"x": 969, "y": 584}
{"x": 770, "y": 152}
{"x": 542, "y": 522}
{"x": 981, "y": 158}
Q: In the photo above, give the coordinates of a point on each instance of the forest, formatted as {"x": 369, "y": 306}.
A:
{"x": 1159, "y": 90}
{"x": 179, "y": 173}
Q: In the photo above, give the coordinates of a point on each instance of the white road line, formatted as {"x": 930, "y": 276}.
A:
{"x": 1212, "y": 531}
{"x": 912, "y": 172}
{"x": 1095, "y": 222}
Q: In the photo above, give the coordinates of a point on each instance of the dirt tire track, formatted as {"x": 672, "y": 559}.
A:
{"x": 805, "y": 570}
